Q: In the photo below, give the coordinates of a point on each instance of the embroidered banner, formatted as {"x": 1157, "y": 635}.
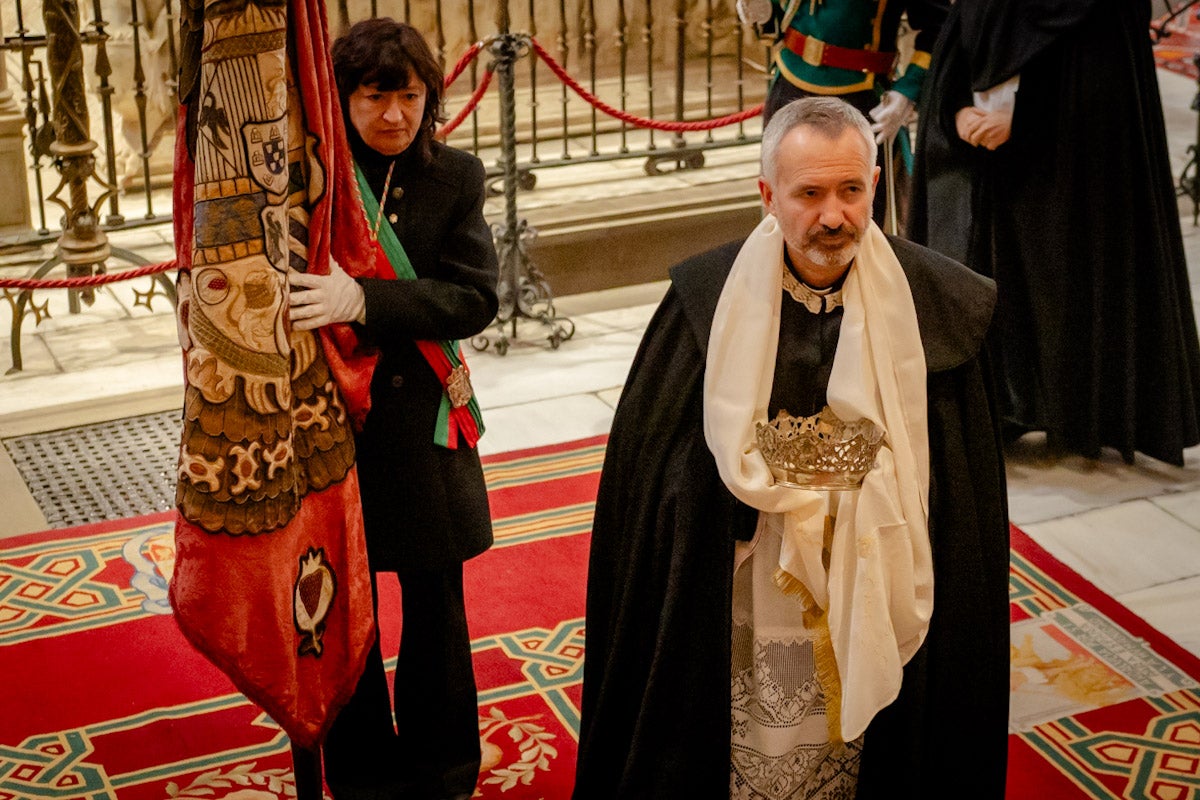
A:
{"x": 271, "y": 579}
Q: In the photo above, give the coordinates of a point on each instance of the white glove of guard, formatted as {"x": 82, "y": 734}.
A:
{"x": 317, "y": 300}
{"x": 893, "y": 111}
{"x": 754, "y": 12}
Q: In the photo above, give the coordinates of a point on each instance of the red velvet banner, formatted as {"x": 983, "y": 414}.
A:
{"x": 271, "y": 579}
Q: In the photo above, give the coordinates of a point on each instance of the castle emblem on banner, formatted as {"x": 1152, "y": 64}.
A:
{"x": 266, "y": 153}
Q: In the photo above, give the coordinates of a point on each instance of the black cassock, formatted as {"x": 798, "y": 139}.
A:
{"x": 1075, "y": 217}
{"x": 656, "y": 691}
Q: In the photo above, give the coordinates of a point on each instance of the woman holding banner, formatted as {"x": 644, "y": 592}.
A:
{"x": 424, "y": 501}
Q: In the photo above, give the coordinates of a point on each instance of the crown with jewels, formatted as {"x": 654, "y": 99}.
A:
{"x": 821, "y": 452}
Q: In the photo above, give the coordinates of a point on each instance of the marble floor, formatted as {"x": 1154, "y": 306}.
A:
{"x": 1133, "y": 530}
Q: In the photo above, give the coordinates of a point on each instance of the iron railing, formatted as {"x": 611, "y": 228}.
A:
{"x": 685, "y": 60}
{"x": 136, "y": 107}
{"x": 130, "y": 62}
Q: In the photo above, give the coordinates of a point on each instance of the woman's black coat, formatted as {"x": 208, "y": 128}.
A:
{"x": 425, "y": 506}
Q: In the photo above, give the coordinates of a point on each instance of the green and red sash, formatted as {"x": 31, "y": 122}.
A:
{"x": 458, "y": 414}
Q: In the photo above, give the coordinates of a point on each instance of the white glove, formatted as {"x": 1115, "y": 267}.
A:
{"x": 893, "y": 111}
{"x": 754, "y": 12}
{"x": 317, "y": 300}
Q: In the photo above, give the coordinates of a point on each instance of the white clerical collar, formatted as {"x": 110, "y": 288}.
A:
{"x": 817, "y": 301}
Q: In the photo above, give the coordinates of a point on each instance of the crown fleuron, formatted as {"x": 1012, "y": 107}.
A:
{"x": 821, "y": 452}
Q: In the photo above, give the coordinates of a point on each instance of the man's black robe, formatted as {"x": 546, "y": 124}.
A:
{"x": 1074, "y": 217}
{"x": 656, "y": 691}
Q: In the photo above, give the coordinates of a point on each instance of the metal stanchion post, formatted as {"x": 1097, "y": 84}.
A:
{"x": 523, "y": 290}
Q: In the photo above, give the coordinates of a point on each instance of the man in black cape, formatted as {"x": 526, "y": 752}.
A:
{"x": 1072, "y": 210}
{"x": 656, "y": 715}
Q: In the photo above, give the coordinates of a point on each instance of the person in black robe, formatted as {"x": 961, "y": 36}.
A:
{"x": 656, "y": 708}
{"x": 1073, "y": 214}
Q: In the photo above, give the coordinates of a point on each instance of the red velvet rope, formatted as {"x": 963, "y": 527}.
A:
{"x": 476, "y": 96}
{"x": 591, "y": 99}
{"x": 84, "y": 282}
{"x": 641, "y": 122}
{"x": 463, "y": 62}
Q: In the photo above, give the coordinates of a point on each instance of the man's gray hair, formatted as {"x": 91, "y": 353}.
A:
{"x": 829, "y": 115}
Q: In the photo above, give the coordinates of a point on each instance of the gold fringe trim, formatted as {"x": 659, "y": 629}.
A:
{"x": 816, "y": 619}
{"x": 792, "y": 586}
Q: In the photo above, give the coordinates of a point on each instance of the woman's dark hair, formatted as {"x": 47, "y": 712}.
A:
{"x": 386, "y": 54}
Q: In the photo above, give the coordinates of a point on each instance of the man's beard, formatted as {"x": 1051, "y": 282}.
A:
{"x": 831, "y": 249}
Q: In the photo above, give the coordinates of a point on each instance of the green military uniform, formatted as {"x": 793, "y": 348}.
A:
{"x": 843, "y": 47}
{"x": 847, "y": 48}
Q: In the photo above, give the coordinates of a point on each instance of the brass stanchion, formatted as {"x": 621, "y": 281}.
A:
{"x": 83, "y": 246}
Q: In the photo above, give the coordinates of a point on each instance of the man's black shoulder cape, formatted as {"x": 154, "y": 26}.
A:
{"x": 656, "y": 692}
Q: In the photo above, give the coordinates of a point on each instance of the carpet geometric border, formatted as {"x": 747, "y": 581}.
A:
{"x": 1130, "y": 728}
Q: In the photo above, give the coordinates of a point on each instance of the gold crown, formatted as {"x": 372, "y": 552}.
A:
{"x": 821, "y": 452}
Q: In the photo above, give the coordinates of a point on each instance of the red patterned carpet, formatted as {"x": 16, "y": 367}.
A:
{"x": 1176, "y": 52}
{"x": 104, "y": 700}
